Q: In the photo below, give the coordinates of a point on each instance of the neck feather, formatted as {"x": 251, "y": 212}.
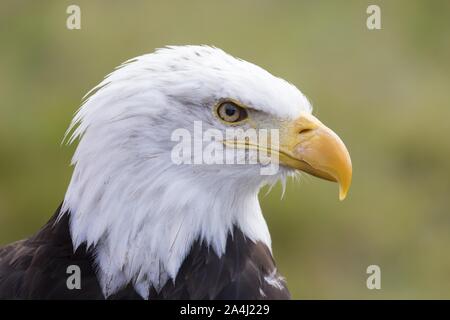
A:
{"x": 142, "y": 221}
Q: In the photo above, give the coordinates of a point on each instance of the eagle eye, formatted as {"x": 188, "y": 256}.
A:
{"x": 230, "y": 112}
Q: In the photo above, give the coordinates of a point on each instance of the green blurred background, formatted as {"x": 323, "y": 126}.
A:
{"x": 385, "y": 92}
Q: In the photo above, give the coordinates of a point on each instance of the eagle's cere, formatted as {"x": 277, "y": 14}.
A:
{"x": 139, "y": 225}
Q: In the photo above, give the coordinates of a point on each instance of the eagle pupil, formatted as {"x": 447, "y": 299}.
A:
{"x": 230, "y": 110}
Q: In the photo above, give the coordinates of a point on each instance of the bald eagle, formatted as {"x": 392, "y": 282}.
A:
{"x": 139, "y": 225}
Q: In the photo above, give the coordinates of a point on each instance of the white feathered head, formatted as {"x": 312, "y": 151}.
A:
{"x": 138, "y": 207}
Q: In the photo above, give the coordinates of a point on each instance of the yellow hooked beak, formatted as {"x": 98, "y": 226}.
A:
{"x": 308, "y": 145}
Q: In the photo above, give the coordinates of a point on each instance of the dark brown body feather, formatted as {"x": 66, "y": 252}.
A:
{"x": 35, "y": 268}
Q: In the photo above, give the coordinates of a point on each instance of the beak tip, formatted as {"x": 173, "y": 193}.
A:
{"x": 343, "y": 191}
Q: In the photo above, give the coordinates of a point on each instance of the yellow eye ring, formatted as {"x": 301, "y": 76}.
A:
{"x": 230, "y": 112}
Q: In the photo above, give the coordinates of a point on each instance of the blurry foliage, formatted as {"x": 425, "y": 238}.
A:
{"x": 386, "y": 93}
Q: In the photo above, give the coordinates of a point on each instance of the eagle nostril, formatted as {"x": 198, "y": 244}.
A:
{"x": 305, "y": 130}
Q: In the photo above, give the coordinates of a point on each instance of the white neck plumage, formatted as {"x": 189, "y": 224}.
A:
{"x": 142, "y": 220}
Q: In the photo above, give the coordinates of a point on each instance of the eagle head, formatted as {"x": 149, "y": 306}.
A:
{"x": 148, "y": 179}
